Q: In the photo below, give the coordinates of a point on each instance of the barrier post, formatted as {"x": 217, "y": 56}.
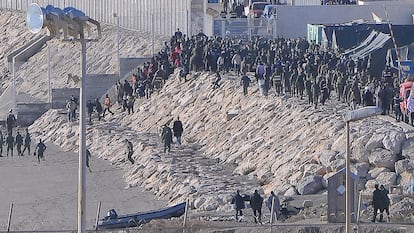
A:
{"x": 97, "y": 215}
{"x": 185, "y": 214}
{"x": 10, "y": 216}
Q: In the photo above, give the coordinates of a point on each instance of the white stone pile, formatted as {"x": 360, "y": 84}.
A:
{"x": 235, "y": 142}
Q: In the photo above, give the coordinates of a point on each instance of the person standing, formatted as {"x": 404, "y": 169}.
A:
{"x": 130, "y": 151}
{"x": 19, "y": 143}
{"x": 256, "y": 202}
{"x": 10, "y": 144}
{"x": 27, "y": 142}
{"x": 376, "y": 202}
{"x": 239, "y": 205}
{"x": 178, "y": 130}
{"x": 166, "y": 137}
{"x": 10, "y": 121}
{"x": 40, "y": 149}
{"x": 276, "y": 205}
{"x": 107, "y": 104}
{"x": 385, "y": 205}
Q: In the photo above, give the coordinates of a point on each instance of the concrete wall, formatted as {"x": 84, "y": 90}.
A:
{"x": 168, "y": 15}
{"x": 29, "y": 112}
{"x": 292, "y": 20}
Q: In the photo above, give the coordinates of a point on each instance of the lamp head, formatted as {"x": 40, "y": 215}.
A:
{"x": 35, "y": 18}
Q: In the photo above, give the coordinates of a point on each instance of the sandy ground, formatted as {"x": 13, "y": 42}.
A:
{"x": 45, "y": 194}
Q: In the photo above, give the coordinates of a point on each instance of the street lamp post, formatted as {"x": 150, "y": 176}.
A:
{"x": 351, "y": 116}
{"x": 77, "y": 19}
{"x": 117, "y": 45}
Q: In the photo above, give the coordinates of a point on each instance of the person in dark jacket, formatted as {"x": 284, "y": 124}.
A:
{"x": 166, "y": 137}
{"x": 239, "y": 205}
{"x": 10, "y": 121}
{"x": 376, "y": 202}
{"x": 256, "y": 202}
{"x": 385, "y": 204}
{"x": 98, "y": 108}
{"x": 130, "y": 151}
{"x": 10, "y": 144}
{"x": 19, "y": 143}
{"x": 40, "y": 149}
{"x": 178, "y": 130}
{"x": 27, "y": 142}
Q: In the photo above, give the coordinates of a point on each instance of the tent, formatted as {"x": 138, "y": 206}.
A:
{"x": 374, "y": 48}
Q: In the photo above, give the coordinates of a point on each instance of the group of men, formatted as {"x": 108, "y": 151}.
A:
{"x": 18, "y": 141}
{"x": 256, "y": 203}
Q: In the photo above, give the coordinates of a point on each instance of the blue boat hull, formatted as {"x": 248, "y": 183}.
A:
{"x": 133, "y": 220}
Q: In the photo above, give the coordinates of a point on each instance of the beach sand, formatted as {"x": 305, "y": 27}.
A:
{"x": 45, "y": 195}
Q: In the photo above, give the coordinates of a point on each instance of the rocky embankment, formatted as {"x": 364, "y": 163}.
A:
{"x": 236, "y": 142}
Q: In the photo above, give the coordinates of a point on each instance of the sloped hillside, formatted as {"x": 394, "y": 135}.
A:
{"x": 237, "y": 142}
{"x": 31, "y": 77}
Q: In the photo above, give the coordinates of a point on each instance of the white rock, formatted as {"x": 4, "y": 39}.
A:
{"x": 394, "y": 141}
{"x": 375, "y": 142}
{"x": 373, "y": 173}
{"x": 387, "y": 178}
{"x": 403, "y": 166}
{"x": 382, "y": 158}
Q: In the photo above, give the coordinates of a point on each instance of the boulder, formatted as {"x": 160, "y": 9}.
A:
{"x": 382, "y": 158}
{"x": 387, "y": 178}
{"x": 361, "y": 169}
{"x": 403, "y": 166}
{"x": 407, "y": 150}
{"x": 394, "y": 141}
{"x": 373, "y": 173}
{"x": 374, "y": 142}
{"x": 404, "y": 179}
{"x": 310, "y": 185}
{"x": 326, "y": 157}
{"x": 291, "y": 191}
{"x": 313, "y": 169}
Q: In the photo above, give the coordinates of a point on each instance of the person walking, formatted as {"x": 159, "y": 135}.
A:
{"x": 27, "y": 142}
{"x": 107, "y": 105}
{"x": 10, "y": 144}
{"x": 40, "y": 149}
{"x": 166, "y": 137}
{"x": 239, "y": 205}
{"x": 245, "y": 80}
{"x": 256, "y": 202}
{"x": 276, "y": 205}
{"x": 130, "y": 151}
{"x": 19, "y": 143}
{"x": 178, "y": 130}
{"x": 98, "y": 108}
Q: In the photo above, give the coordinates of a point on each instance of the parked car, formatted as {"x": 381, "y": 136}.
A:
{"x": 405, "y": 89}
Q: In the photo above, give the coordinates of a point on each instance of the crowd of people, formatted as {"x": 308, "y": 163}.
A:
{"x": 19, "y": 142}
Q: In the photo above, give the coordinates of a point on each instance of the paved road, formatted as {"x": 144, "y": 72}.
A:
{"x": 45, "y": 194}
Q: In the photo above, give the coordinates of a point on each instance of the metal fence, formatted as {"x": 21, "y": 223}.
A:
{"x": 243, "y": 28}
{"x": 162, "y": 17}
